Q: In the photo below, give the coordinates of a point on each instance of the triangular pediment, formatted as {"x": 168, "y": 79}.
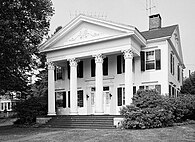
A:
{"x": 85, "y": 29}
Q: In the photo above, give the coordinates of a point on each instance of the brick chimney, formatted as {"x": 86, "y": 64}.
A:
{"x": 154, "y": 21}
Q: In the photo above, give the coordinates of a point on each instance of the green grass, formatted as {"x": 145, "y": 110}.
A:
{"x": 170, "y": 134}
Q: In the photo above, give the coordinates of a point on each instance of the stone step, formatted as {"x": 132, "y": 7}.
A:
{"x": 82, "y": 121}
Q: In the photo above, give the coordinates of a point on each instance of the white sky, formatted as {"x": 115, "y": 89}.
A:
{"x": 133, "y": 12}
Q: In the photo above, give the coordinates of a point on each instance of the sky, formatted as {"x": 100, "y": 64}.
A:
{"x": 133, "y": 12}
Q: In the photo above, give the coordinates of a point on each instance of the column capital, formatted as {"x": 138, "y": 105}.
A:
{"x": 50, "y": 66}
{"x": 128, "y": 54}
{"x": 73, "y": 62}
{"x": 99, "y": 58}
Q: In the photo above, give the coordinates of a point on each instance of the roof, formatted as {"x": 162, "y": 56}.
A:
{"x": 159, "y": 33}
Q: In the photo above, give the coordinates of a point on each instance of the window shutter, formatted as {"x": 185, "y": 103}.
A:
{"x": 142, "y": 53}
{"x": 55, "y": 78}
{"x": 173, "y": 66}
{"x": 119, "y": 91}
{"x": 80, "y": 69}
{"x": 92, "y": 67}
{"x": 68, "y": 67}
{"x": 158, "y": 59}
{"x": 64, "y": 100}
{"x": 134, "y": 90}
{"x": 169, "y": 90}
{"x": 69, "y": 99}
{"x": 105, "y": 66}
{"x": 119, "y": 64}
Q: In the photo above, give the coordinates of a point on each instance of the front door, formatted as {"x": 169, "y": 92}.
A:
{"x": 107, "y": 99}
{"x": 93, "y": 100}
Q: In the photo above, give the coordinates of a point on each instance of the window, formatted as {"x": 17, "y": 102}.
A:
{"x": 150, "y": 60}
{"x": 105, "y": 66}
{"x": 172, "y": 64}
{"x": 120, "y": 64}
{"x": 58, "y": 73}
{"x": 121, "y": 96}
{"x": 92, "y": 67}
{"x": 172, "y": 91}
{"x": 178, "y": 73}
{"x": 80, "y": 98}
{"x": 80, "y": 69}
{"x": 59, "y": 99}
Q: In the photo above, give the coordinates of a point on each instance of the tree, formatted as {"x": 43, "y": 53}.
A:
{"x": 23, "y": 25}
{"x": 189, "y": 85}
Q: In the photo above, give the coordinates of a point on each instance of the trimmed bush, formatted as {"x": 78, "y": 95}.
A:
{"x": 28, "y": 110}
{"x": 151, "y": 110}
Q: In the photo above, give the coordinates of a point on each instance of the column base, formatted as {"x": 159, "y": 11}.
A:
{"x": 51, "y": 113}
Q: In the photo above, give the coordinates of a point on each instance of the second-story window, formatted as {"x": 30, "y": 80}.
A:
{"x": 151, "y": 60}
{"x": 172, "y": 64}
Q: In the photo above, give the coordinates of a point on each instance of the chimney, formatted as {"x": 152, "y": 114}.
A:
{"x": 154, "y": 21}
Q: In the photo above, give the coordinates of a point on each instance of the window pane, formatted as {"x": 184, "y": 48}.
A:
{"x": 149, "y": 65}
{"x": 150, "y": 55}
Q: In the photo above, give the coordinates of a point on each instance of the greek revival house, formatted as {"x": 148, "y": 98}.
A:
{"x": 95, "y": 66}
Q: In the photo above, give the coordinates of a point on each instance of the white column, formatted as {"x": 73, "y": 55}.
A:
{"x": 51, "y": 89}
{"x": 73, "y": 86}
{"x": 99, "y": 84}
{"x": 128, "y": 56}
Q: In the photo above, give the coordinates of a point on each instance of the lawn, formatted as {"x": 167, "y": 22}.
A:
{"x": 185, "y": 133}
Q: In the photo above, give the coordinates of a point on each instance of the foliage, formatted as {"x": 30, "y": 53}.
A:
{"x": 188, "y": 86}
{"x": 23, "y": 25}
{"x": 29, "y": 109}
{"x": 150, "y": 110}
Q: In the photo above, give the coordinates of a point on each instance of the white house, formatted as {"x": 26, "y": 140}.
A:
{"x": 95, "y": 66}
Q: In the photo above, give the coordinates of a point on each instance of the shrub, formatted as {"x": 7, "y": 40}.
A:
{"x": 28, "y": 110}
{"x": 151, "y": 110}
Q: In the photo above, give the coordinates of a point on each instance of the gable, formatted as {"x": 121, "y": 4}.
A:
{"x": 175, "y": 39}
{"x": 84, "y": 29}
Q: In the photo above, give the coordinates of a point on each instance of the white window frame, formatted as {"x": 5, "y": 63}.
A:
{"x": 151, "y": 60}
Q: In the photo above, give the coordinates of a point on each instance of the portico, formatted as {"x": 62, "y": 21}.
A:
{"x": 84, "y": 40}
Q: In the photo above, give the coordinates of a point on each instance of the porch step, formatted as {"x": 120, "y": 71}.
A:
{"x": 82, "y": 121}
